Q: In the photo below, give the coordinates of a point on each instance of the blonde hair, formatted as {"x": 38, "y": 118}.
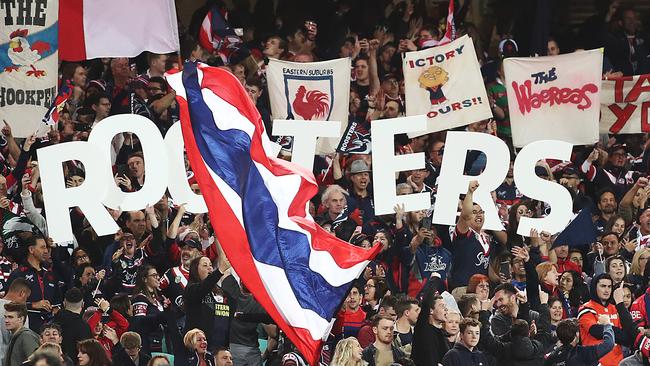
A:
{"x": 188, "y": 340}
{"x": 543, "y": 269}
{"x": 636, "y": 268}
{"x": 343, "y": 353}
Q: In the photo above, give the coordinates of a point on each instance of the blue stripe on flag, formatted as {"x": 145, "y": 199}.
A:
{"x": 227, "y": 153}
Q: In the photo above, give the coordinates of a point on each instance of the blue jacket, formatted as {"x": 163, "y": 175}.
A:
{"x": 461, "y": 356}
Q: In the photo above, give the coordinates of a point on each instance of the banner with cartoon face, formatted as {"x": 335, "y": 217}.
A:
{"x": 314, "y": 91}
{"x": 445, "y": 84}
{"x": 28, "y": 63}
{"x": 554, "y": 97}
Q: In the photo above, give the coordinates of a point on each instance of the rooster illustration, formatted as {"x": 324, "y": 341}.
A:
{"x": 311, "y": 104}
{"x": 22, "y": 54}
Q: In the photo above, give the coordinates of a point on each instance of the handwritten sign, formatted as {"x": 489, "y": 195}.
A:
{"x": 555, "y": 97}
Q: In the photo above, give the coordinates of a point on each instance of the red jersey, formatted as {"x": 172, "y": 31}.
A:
{"x": 638, "y": 310}
{"x": 588, "y": 317}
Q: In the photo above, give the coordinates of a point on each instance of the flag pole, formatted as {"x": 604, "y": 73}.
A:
{"x": 180, "y": 60}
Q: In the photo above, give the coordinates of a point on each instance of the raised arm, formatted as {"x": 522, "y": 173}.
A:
{"x": 466, "y": 213}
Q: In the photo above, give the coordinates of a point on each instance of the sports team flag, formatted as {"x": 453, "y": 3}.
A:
{"x": 216, "y": 36}
{"x": 116, "y": 28}
{"x": 311, "y": 91}
{"x": 51, "y": 118}
{"x": 554, "y": 97}
{"x": 258, "y": 205}
{"x": 446, "y": 85}
{"x": 356, "y": 138}
{"x": 28, "y": 63}
{"x": 579, "y": 232}
{"x": 450, "y": 32}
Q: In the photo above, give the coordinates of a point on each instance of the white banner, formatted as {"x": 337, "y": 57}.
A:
{"x": 624, "y": 105}
{"x": 311, "y": 91}
{"x": 554, "y": 97}
{"x": 28, "y": 63}
{"x": 445, "y": 84}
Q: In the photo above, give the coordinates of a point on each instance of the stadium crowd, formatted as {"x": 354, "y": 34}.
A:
{"x": 162, "y": 292}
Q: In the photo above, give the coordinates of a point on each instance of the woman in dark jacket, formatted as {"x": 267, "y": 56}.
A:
{"x": 148, "y": 318}
{"x": 206, "y": 305}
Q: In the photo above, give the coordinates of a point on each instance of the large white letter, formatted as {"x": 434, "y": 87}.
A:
{"x": 58, "y": 199}
{"x": 177, "y": 184}
{"x": 304, "y": 137}
{"x": 155, "y": 156}
{"x": 530, "y": 185}
{"x": 452, "y": 181}
{"x": 385, "y": 164}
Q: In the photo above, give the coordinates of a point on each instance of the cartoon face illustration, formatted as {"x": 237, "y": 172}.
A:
{"x": 432, "y": 79}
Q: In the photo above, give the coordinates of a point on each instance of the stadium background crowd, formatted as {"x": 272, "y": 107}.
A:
{"x": 161, "y": 291}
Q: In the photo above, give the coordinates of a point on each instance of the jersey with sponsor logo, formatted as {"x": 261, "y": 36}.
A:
{"x": 588, "y": 317}
{"x": 470, "y": 255}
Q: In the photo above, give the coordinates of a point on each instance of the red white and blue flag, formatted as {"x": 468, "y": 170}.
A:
{"x": 51, "y": 118}
{"x": 450, "y": 32}
{"x": 216, "y": 36}
{"x": 258, "y": 206}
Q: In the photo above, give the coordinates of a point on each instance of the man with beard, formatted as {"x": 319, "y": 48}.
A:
{"x": 382, "y": 352}
{"x": 591, "y": 333}
{"x": 45, "y": 298}
{"x": 510, "y": 304}
{"x": 611, "y": 246}
{"x": 174, "y": 281}
{"x": 607, "y": 205}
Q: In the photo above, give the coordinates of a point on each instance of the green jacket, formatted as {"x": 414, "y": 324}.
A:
{"x": 22, "y": 344}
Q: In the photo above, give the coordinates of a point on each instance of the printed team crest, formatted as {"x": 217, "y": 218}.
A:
{"x": 309, "y": 97}
{"x": 23, "y": 54}
{"x": 432, "y": 79}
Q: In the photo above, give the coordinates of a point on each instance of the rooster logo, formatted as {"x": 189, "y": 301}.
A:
{"x": 312, "y": 104}
{"x": 22, "y": 54}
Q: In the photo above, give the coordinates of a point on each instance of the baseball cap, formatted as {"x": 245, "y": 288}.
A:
{"x": 192, "y": 244}
{"x": 359, "y": 166}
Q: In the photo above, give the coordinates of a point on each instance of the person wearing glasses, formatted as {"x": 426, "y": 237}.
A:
{"x": 148, "y": 319}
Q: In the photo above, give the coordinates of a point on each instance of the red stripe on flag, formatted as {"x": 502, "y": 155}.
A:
{"x": 72, "y": 43}
{"x": 345, "y": 254}
{"x": 234, "y": 240}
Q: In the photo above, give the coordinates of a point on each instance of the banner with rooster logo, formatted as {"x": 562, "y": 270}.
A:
{"x": 445, "y": 84}
{"x": 28, "y": 62}
{"x": 315, "y": 91}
